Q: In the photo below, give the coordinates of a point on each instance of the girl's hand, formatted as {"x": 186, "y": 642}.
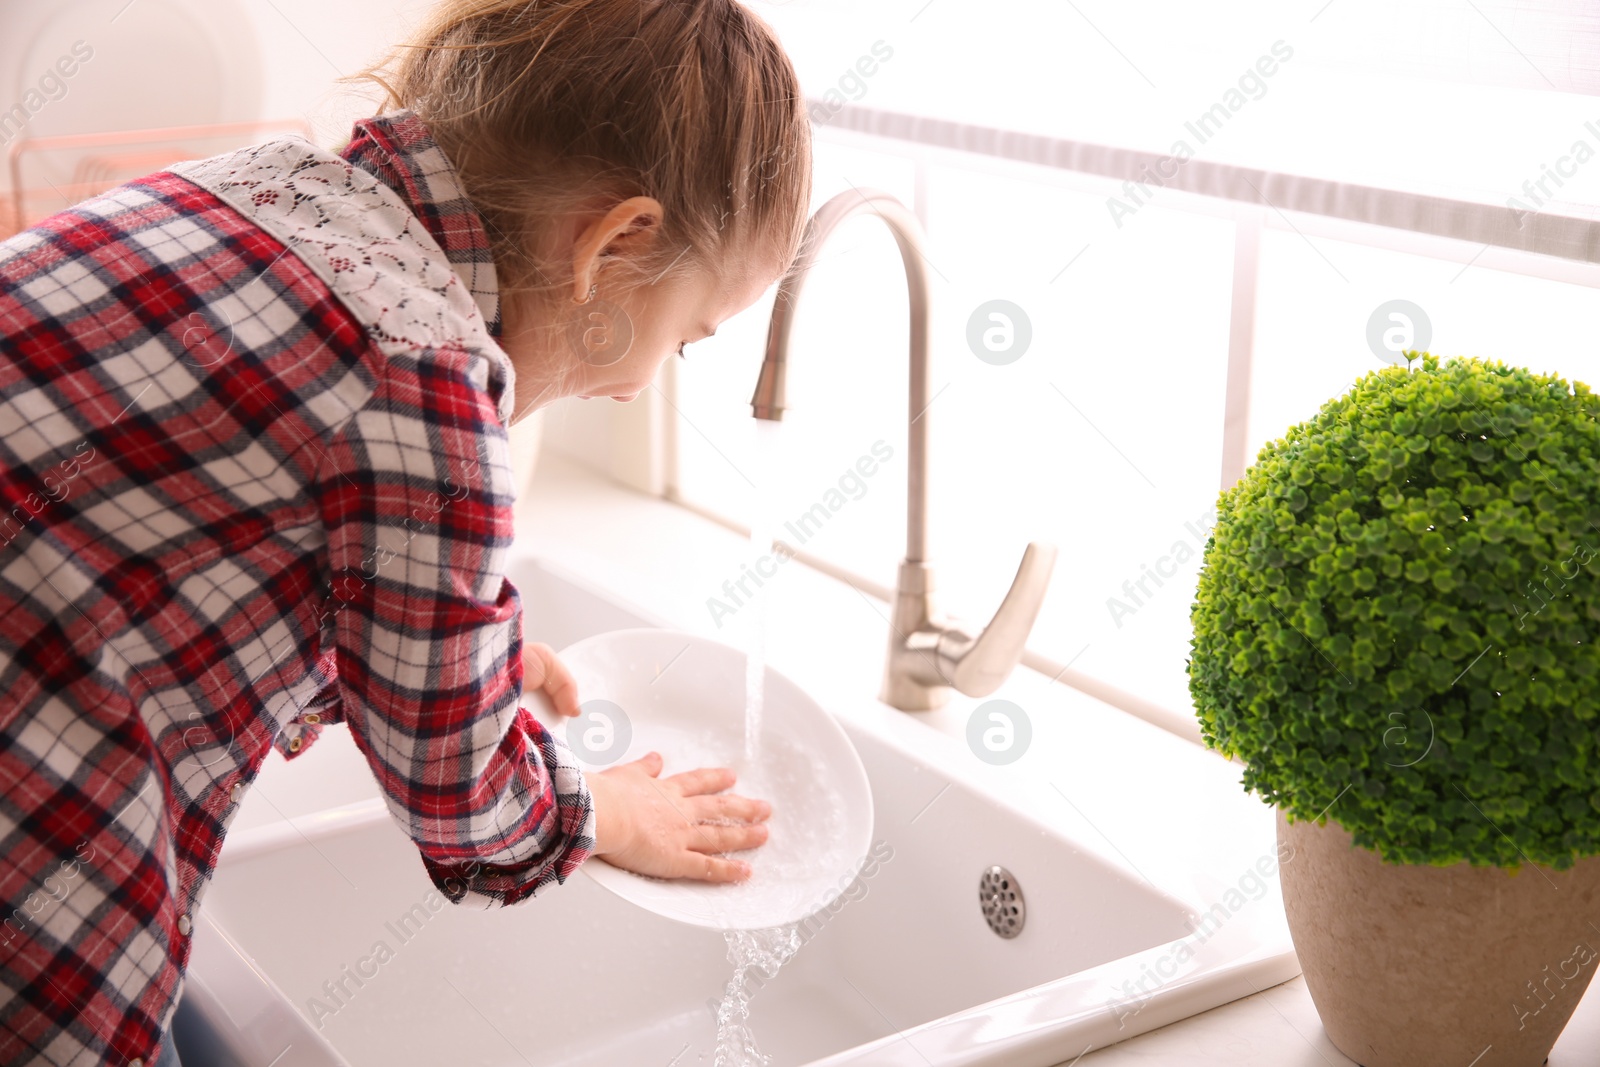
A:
{"x": 543, "y": 673}
{"x": 656, "y": 826}
{"x": 652, "y": 825}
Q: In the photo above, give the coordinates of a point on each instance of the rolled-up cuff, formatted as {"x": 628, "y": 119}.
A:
{"x": 490, "y": 885}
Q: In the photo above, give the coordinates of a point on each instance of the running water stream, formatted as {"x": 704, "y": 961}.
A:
{"x": 763, "y": 504}
{"x": 763, "y": 951}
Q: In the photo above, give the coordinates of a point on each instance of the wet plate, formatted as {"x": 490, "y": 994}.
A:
{"x": 683, "y": 695}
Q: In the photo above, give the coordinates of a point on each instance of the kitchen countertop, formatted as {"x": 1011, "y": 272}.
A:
{"x": 1278, "y": 1027}
{"x": 578, "y": 518}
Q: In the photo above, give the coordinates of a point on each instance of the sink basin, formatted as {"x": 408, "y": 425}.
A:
{"x": 321, "y": 898}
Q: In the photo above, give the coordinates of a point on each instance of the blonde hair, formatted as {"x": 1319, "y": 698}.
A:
{"x": 543, "y": 105}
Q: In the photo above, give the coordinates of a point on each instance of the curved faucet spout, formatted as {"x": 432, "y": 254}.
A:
{"x": 770, "y": 395}
{"x": 928, "y": 654}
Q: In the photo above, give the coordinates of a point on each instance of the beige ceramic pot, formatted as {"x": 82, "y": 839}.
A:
{"x": 1415, "y": 966}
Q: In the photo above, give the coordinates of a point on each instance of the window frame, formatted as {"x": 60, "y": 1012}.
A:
{"x": 1560, "y": 248}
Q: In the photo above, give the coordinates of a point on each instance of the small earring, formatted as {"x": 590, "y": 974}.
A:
{"x": 593, "y": 289}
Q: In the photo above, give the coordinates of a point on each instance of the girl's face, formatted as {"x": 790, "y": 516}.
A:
{"x": 614, "y": 344}
{"x": 654, "y": 322}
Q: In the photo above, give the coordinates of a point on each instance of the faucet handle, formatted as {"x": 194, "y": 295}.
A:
{"x": 978, "y": 663}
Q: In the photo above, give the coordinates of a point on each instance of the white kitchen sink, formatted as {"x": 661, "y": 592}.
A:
{"x": 316, "y": 876}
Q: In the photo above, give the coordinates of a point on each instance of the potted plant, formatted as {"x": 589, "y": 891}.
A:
{"x": 1395, "y": 631}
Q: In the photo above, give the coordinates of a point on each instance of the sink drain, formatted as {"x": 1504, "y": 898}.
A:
{"x": 1001, "y": 898}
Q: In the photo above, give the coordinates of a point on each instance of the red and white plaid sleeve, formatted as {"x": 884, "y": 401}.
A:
{"x": 415, "y": 493}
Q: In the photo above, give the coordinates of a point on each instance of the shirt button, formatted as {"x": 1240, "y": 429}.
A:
{"x": 135, "y": 1063}
{"x": 236, "y": 792}
{"x": 294, "y": 744}
{"x": 184, "y": 925}
{"x": 313, "y": 718}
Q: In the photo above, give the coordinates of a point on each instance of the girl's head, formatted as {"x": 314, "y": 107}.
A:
{"x": 656, "y": 152}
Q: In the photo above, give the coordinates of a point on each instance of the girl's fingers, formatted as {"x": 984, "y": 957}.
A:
{"x": 704, "y": 780}
{"x": 709, "y": 837}
{"x": 554, "y": 679}
{"x": 732, "y": 806}
{"x": 650, "y": 763}
{"x": 714, "y": 869}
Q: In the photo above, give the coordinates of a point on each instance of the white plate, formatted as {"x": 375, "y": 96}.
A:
{"x": 683, "y": 695}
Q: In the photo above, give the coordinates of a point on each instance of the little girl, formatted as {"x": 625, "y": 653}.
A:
{"x": 255, "y": 477}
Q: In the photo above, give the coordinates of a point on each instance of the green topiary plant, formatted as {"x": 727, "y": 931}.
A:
{"x": 1395, "y": 618}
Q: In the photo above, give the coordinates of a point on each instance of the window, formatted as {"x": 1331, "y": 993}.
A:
{"x": 1110, "y": 435}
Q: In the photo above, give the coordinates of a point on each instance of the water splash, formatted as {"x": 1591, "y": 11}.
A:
{"x": 762, "y": 952}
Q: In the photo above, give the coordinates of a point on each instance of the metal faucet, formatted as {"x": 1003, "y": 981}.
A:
{"x": 928, "y": 654}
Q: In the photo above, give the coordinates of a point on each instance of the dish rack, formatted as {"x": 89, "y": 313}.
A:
{"x": 103, "y": 160}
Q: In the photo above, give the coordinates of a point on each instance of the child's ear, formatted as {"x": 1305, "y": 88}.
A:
{"x": 629, "y": 228}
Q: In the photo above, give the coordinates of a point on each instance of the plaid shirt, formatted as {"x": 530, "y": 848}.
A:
{"x": 256, "y": 479}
